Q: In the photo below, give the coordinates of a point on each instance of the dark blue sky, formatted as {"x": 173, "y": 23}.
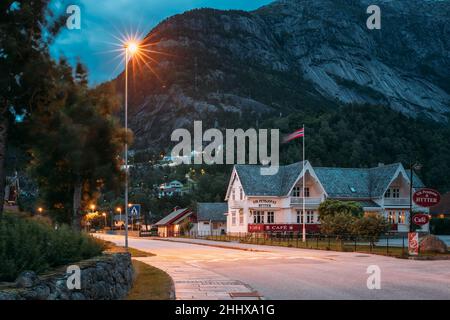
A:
{"x": 103, "y": 20}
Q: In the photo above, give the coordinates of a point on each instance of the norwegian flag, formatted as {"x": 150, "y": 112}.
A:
{"x": 297, "y": 134}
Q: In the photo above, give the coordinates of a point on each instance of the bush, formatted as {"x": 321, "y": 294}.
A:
{"x": 440, "y": 226}
{"x": 339, "y": 224}
{"x": 371, "y": 226}
{"x": 32, "y": 245}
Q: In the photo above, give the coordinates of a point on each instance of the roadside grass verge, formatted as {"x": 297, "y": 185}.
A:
{"x": 149, "y": 283}
{"x": 329, "y": 245}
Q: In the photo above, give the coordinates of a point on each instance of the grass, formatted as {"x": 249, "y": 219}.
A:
{"x": 150, "y": 283}
{"x": 331, "y": 245}
{"x": 135, "y": 253}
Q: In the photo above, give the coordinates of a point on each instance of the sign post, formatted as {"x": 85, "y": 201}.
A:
{"x": 134, "y": 212}
{"x": 413, "y": 243}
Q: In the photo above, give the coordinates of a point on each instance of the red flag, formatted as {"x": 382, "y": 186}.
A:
{"x": 297, "y": 134}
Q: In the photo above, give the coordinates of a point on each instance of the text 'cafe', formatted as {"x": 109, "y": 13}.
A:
{"x": 274, "y": 203}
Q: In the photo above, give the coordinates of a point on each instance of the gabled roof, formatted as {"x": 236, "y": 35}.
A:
{"x": 173, "y": 216}
{"x": 279, "y": 184}
{"x": 214, "y": 211}
{"x": 352, "y": 183}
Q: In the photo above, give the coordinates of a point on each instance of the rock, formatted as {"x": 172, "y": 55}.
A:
{"x": 431, "y": 243}
{"x": 107, "y": 277}
{"x": 27, "y": 279}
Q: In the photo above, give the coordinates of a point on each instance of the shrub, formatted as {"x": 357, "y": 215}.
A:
{"x": 371, "y": 226}
{"x": 32, "y": 245}
{"x": 339, "y": 224}
{"x": 331, "y": 207}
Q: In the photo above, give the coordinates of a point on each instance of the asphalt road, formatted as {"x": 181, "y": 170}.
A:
{"x": 289, "y": 273}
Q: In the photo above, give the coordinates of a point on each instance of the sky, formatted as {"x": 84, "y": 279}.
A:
{"x": 102, "y": 21}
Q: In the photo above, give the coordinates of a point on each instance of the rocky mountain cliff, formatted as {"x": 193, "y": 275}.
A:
{"x": 234, "y": 68}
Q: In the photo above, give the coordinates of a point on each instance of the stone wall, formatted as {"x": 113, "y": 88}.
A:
{"x": 108, "y": 277}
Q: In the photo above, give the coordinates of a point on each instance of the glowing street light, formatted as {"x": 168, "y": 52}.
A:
{"x": 131, "y": 48}
{"x": 40, "y": 210}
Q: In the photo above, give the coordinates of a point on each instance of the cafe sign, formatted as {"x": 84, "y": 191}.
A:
{"x": 421, "y": 219}
{"x": 426, "y": 197}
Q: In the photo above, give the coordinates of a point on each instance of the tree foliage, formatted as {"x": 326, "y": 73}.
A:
{"x": 332, "y": 207}
{"x": 77, "y": 145}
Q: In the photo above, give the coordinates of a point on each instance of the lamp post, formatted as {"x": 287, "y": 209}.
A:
{"x": 415, "y": 166}
{"x": 104, "y": 216}
{"x": 131, "y": 48}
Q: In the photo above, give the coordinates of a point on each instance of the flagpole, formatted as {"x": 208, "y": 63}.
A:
{"x": 304, "y": 172}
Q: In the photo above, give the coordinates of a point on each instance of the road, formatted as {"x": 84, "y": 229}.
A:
{"x": 205, "y": 272}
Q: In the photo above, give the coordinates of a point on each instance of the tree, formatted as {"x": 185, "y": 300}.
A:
{"x": 24, "y": 64}
{"x": 332, "y": 207}
{"x": 339, "y": 225}
{"x": 77, "y": 146}
{"x": 371, "y": 226}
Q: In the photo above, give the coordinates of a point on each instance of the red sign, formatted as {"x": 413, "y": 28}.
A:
{"x": 273, "y": 227}
{"x": 413, "y": 243}
{"x": 426, "y": 197}
{"x": 421, "y": 219}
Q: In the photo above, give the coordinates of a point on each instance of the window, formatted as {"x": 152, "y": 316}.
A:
{"x": 401, "y": 217}
{"x": 395, "y": 193}
{"x": 241, "y": 195}
{"x": 270, "y": 217}
{"x": 392, "y": 193}
{"x": 233, "y": 218}
{"x": 391, "y": 217}
{"x": 258, "y": 217}
{"x": 306, "y": 192}
{"x": 309, "y": 216}
{"x": 241, "y": 217}
{"x": 297, "y": 191}
{"x": 233, "y": 194}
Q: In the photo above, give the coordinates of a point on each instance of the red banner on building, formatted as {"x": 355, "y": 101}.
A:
{"x": 274, "y": 227}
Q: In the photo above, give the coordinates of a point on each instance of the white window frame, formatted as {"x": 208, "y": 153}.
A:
{"x": 241, "y": 217}
{"x": 270, "y": 217}
{"x": 233, "y": 218}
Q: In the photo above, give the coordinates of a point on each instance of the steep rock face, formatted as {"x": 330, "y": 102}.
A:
{"x": 230, "y": 68}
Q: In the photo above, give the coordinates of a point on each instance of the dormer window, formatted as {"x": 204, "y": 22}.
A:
{"x": 352, "y": 189}
{"x": 392, "y": 193}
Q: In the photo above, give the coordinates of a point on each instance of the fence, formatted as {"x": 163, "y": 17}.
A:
{"x": 392, "y": 244}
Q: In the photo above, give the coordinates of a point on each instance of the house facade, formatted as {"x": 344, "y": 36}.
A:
{"x": 171, "y": 225}
{"x": 259, "y": 203}
{"x": 211, "y": 218}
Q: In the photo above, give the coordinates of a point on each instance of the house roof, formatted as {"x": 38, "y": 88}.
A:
{"x": 351, "y": 183}
{"x": 173, "y": 216}
{"x": 279, "y": 184}
{"x": 214, "y": 211}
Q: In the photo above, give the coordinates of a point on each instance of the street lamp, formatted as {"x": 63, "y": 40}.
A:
{"x": 131, "y": 47}
{"x": 40, "y": 210}
{"x": 104, "y": 216}
{"x": 119, "y": 210}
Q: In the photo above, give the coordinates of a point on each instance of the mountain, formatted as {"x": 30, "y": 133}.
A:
{"x": 236, "y": 68}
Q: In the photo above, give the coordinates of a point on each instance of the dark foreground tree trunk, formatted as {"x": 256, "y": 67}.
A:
{"x": 3, "y": 136}
{"x": 76, "y": 216}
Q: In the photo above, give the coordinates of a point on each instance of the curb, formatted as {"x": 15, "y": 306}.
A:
{"x": 212, "y": 245}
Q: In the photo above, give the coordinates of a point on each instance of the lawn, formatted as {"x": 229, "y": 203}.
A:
{"x": 149, "y": 283}
{"x": 325, "y": 244}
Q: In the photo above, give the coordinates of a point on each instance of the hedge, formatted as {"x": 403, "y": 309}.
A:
{"x": 26, "y": 244}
